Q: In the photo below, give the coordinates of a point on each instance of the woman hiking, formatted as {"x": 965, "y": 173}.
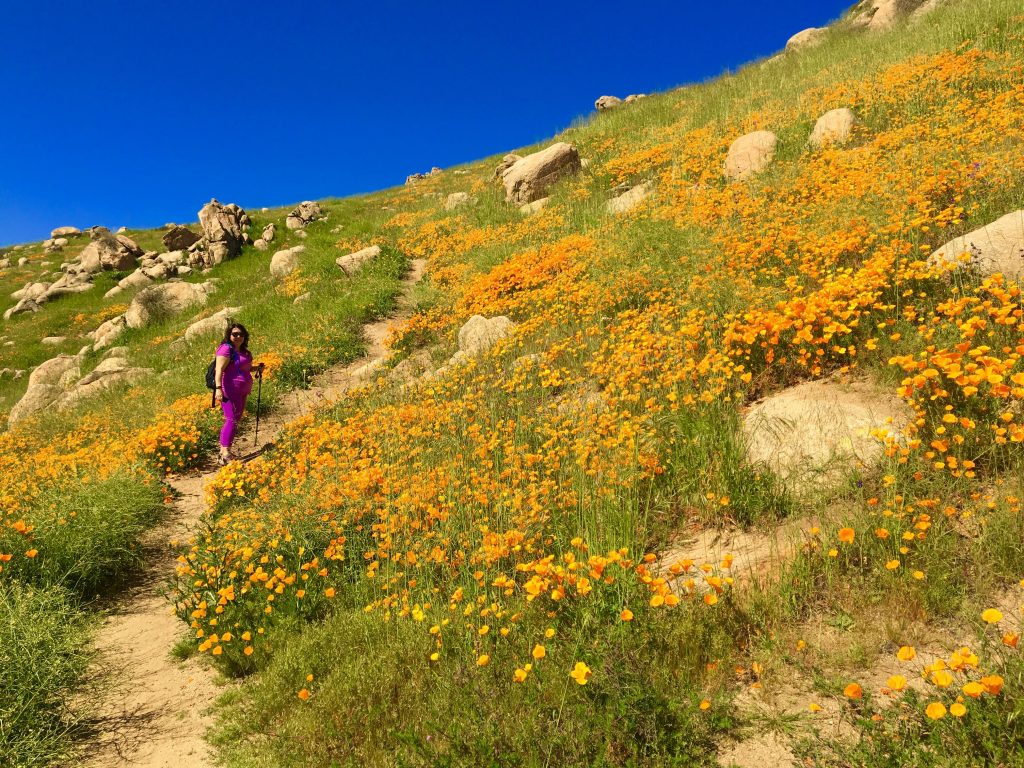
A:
{"x": 232, "y": 382}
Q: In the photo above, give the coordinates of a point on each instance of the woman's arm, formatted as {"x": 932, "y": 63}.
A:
{"x": 218, "y": 375}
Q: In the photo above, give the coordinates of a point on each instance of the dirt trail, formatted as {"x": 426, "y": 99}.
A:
{"x": 154, "y": 709}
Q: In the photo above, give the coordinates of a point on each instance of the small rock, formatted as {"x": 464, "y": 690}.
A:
{"x": 536, "y": 205}
{"x": 456, "y": 200}
{"x": 629, "y": 199}
{"x": 53, "y": 340}
{"x": 480, "y": 333}
{"x": 304, "y": 213}
{"x": 507, "y": 162}
{"x": 285, "y": 262}
{"x": 260, "y": 244}
{"x": 302, "y": 299}
{"x": 351, "y": 262}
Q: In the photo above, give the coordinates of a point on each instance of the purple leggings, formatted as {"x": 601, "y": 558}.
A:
{"x": 233, "y": 406}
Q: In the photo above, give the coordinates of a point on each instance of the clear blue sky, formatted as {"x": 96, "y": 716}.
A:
{"x": 136, "y": 113}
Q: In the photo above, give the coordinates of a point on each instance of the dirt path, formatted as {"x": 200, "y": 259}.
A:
{"x": 155, "y": 709}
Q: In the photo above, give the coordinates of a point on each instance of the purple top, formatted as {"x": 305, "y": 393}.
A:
{"x": 237, "y": 378}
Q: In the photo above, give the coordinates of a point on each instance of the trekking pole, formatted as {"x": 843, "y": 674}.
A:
{"x": 259, "y": 395}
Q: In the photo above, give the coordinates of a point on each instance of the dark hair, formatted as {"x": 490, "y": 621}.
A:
{"x": 245, "y": 335}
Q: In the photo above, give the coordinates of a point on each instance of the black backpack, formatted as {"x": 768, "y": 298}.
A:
{"x": 211, "y": 371}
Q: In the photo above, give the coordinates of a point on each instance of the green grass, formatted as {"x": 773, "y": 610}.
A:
{"x": 42, "y": 658}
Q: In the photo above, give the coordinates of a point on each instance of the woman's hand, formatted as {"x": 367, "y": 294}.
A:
{"x": 218, "y": 394}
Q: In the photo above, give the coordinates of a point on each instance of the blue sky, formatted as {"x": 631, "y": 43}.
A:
{"x": 136, "y": 113}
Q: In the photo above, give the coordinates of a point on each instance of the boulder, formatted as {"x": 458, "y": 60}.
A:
{"x": 457, "y": 200}
{"x": 750, "y": 154}
{"x": 880, "y": 15}
{"x": 70, "y": 283}
{"x": 31, "y": 291}
{"x": 172, "y": 258}
{"x": 24, "y": 306}
{"x": 45, "y": 385}
{"x": 223, "y": 229}
{"x": 107, "y": 333}
{"x": 816, "y": 433}
{"x": 53, "y": 341}
{"x": 5, "y": 263}
{"x": 351, "y": 262}
{"x": 65, "y": 232}
{"x": 634, "y": 97}
{"x": 260, "y": 244}
{"x": 532, "y": 176}
{"x": 209, "y": 327}
{"x": 303, "y": 214}
{"x": 115, "y": 291}
{"x": 283, "y": 263}
{"x": 137, "y": 279}
{"x": 54, "y": 245}
{"x": 480, "y": 333}
{"x": 604, "y": 103}
{"x": 158, "y": 301}
{"x": 629, "y": 199}
{"x": 507, "y": 162}
{"x": 807, "y": 38}
{"x": 996, "y": 247}
{"x": 111, "y": 372}
{"x": 269, "y": 232}
{"x": 158, "y": 271}
{"x": 531, "y": 208}
{"x": 834, "y": 127}
{"x": 109, "y": 252}
{"x": 180, "y": 239}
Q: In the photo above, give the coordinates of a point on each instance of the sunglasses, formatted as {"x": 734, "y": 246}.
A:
{"x": 236, "y": 333}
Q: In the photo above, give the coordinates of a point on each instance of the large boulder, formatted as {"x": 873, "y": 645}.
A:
{"x": 880, "y": 15}
{"x": 109, "y": 252}
{"x": 209, "y": 327}
{"x": 506, "y": 162}
{"x": 532, "y": 176}
{"x": 750, "y": 154}
{"x": 158, "y": 301}
{"x": 180, "y": 238}
{"x": 834, "y": 127}
{"x": 65, "y": 232}
{"x": 604, "y": 103}
{"x": 46, "y": 385}
{"x": 480, "y": 333}
{"x": 224, "y": 229}
{"x": 350, "y": 263}
{"x": 807, "y": 38}
{"x": 818, "y": 432}
{"x": 283, "y": 263}
{"x": 303, "y": 214}
{"x": 996, "y": 247}
{"x": 629, "y": 199}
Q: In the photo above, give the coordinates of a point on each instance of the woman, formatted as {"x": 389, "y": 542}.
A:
{"x": 233, "y": 380}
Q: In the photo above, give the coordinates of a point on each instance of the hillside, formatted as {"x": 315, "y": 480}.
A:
{"x": 698, "y": 443}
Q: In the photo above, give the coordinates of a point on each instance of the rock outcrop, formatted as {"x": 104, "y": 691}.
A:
{"x": 109, "y": 252}
{"x": 834, "y": 127}
{"x": 224, "y": 232}
{"x": 750, "y": 155}
{"x": 46, "y": 384}
{"x": 158, "y": 301}
{"x": 996, "y": 247}
{"x": 65, "y": 232}
{"x": 180, "y": 239}
{"x": 304, "y": 214}
{"x": 629, "y": 199}
{"x": 531, "y": 177}
{"x": 818, "y": 432}
{"x": 807, "y": 38}
{"x": 350, "y": 263}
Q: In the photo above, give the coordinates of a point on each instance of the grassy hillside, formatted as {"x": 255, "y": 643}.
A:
{"x": 477, "y": 568}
